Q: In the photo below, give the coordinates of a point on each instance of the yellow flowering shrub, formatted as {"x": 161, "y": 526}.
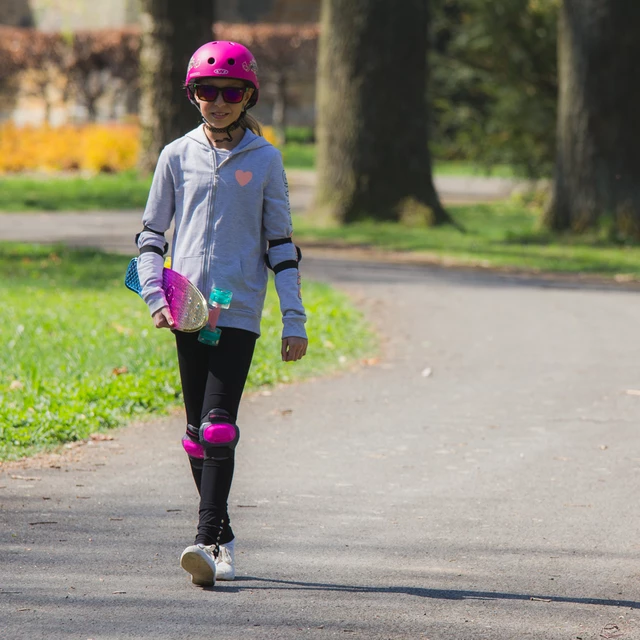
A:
{"x": 111, "y": 148}
{"x": 269, "y": 134}
{"x": 91, "y": 147}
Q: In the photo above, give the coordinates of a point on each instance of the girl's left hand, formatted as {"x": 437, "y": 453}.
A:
{"x": 293, "y": 348}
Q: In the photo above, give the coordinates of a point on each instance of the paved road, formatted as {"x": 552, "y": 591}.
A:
{"x": 118, "y": 228}
{"x": 479, "y": 483}
{"x": 451, "y": 189}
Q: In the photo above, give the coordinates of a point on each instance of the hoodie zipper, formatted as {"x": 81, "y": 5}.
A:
{"x": 209, "y": 251}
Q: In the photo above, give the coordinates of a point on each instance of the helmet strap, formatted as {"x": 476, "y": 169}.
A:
{"x": 240, "y": 122}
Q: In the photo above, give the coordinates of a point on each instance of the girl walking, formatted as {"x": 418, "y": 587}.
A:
{"x": 225, "y": 188}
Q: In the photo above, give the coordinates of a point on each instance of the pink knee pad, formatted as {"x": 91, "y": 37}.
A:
{"x": 219, "y": 433}
{"x": 193, "y": 449}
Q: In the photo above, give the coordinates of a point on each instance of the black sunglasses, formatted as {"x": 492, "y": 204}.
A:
{"x": 210, "y": 93}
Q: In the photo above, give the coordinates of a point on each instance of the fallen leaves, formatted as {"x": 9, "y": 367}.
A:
{"x": 101, "y": 437}
{"x": 611, "y": 631}
{"x": 125, "y": 331}
{"x": 118, "y": 371}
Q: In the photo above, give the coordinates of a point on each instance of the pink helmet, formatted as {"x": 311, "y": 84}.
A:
{"x": 223, "y": 60}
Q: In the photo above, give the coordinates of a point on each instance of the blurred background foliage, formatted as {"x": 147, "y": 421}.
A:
{"x": 494, "y": 83}
{"x": 90, "y": 148}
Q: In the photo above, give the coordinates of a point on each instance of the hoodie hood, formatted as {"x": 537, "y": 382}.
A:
{"x": 249, "y": 141}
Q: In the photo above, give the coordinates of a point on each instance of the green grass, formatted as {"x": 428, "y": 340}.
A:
{"x": 124, "y": 190}
{"x": 79, "y": 354}
{"x": 104, "y": 191}
{"x": 498, "y": 235}
{"x": 300, "y": 134}
{"x": 462, "y": 168}
{"x": 127, "y": 190}
{"x": 301, "y": 155}
{"x": 298, "y": 155}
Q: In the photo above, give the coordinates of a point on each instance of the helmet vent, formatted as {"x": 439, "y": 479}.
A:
{"x": 211, "y": 60}
{"x": 231, "y": 61}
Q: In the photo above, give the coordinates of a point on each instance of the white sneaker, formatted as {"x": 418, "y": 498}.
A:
{"x": 198, "y": 560}
{"x": 226, "y": 561}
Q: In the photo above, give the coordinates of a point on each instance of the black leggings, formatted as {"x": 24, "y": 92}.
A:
{"x": 214, "y": 378}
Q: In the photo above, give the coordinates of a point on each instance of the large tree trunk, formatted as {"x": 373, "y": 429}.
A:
{"x": 373, "y": 155}
{"x": 279, "y": 112}
{"x": 598, "y": 158}
{"x": 171, "y": 32}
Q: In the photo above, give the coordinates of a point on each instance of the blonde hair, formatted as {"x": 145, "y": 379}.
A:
{"x": 249, "y": 122}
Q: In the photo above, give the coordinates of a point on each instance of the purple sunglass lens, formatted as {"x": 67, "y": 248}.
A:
{"x": 209, "y": 93}
{"x": 206, "y": 92}
{"x": 233, "y": 94}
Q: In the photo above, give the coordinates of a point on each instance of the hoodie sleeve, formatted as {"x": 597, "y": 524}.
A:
{"x": 282, "y": 253}
{"x": 151, "y": 242}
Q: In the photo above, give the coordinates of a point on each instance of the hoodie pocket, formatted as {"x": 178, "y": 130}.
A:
{"x": 254, "y": 275}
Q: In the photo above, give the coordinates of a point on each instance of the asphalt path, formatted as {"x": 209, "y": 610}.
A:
{"x": 478, "y": 481}
{"x": 116, "y": 229}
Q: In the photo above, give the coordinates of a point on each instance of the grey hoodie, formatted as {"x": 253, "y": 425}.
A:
{"x": 224, "y": 216}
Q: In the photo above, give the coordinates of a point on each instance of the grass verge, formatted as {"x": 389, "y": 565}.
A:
{"x": 124, "y": 190}
{"x": 299, "y": 155}
{"x": 78, "y": 352}
{"x": 127, "y": 190}
{"x": 498, "y": 235}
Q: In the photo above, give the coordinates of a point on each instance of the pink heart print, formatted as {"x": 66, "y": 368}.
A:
{"x": 243, "y": 177}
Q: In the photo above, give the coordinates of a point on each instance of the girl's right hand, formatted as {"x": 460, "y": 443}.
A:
{"x": 163, "y": 319}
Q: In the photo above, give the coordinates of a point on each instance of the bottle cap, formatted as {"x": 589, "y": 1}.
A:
{"x": 221, "y": 298}
{"x": 210, "y": 337}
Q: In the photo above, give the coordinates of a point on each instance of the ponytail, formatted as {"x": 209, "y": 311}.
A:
{"x": 249, "y": 122}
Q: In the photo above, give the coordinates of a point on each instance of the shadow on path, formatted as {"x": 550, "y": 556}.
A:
{"x": 436, "y": 594}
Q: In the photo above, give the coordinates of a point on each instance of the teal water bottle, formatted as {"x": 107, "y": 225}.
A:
{"x": 218, "y": 299}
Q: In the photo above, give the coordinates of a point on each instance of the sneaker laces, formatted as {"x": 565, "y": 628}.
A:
{"x": 213, "y": 550}
{"x": 224, "y": 555}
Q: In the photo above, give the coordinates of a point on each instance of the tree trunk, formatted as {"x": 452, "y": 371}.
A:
{"x": 372, "y": 129}
{"x": 598, "y": 156}
{"x": 279, "y": 112}
{"x": 92, "y": 109}
{"x": 47, "y": 99}
{"x": 171, "y": 32}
